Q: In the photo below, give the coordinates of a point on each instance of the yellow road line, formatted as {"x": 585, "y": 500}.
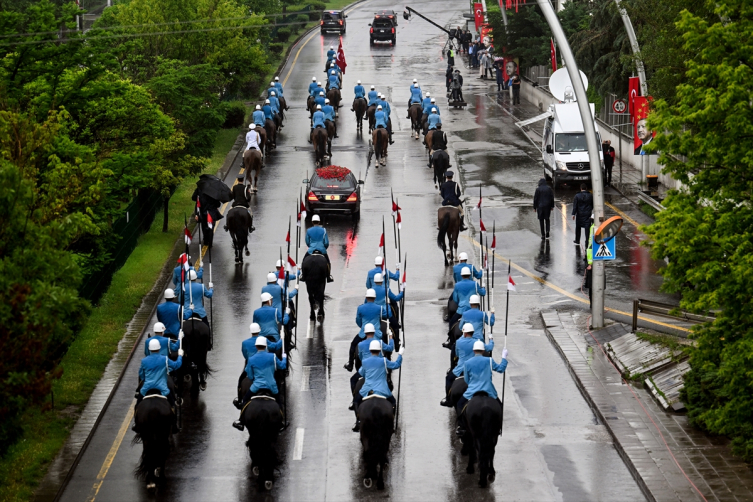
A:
{"x": 558, "y": 289}
{"x": 111, "y": 454}
{"x": 624, "y": 216}
{"x": 290, "y": 71}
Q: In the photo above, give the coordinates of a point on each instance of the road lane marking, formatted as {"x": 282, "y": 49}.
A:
{"x": 309, "y": 334}
{"x": 298, "y": 449}
{"x": 624, "y": 216}
{"x": 111, "y": 454}
{"x": 305, "y": 387}
{"x": 292, "y": 65}
{"x": 574, "y": 297}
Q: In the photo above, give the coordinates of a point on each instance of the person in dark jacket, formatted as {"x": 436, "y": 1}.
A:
{"x": 207, "y": 206}
{"x": 583, "y": 206}
{"x": 498, "y": 74}
{"x": 448, "y": 76}
{"x": 451, "y": 196}
{"x": 543, "y": 203}
{"x": 608, "y": 150}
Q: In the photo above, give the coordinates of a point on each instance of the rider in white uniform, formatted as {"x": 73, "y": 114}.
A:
{"x": 252, "y": 138}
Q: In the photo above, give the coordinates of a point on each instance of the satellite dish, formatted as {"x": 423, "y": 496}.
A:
{"x": 560, "y": 81}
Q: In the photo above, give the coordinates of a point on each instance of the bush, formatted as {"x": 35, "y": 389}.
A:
{"x": 283, "y": 34}
{"x": 235, "y": 115}
{"x": 276, "y": 48}
{"x": 314, "y": 15}
{"x": 320, "y": 6}
{"x": 302, "y": 19}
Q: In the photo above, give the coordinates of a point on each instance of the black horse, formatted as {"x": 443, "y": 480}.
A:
{"x": 154, "y": 421}
{"x": 440, "y": 161}
{"x": 377, "y": 420}
{"x": 315, "y": 273}
{"x": 359, "y": 107}
{"x": 483, "y": 418}
{"x": 239, "y": 222}
{"x": 263, "y": 419}
{"x": 196, "y": 345}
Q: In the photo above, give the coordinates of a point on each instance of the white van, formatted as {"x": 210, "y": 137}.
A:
{"x": 564, "y": 148}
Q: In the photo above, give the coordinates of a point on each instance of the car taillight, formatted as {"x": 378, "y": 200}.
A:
{"x": 321, "y": 22}
{"x": 312, "y": 196}
{"x": 353, "y": 197}
{"x": 393, "y": 30}
{"x": 371, "y": 30}
{"x": 341, "y": 21}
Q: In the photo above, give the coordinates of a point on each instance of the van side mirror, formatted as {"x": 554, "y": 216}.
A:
{"x": 549, "y": 149}
{"x": 369, "y": 24}
{"x": 306, "y": 181}
{"x": 360, "y": 182}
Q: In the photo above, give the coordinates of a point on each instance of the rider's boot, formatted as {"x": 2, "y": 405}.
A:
{"x": 445, "y": 402}
{"x": 462, "y": 223}
{"x": 252, "y": 225}
{"x": 238, "y": 425}
{"x": 357, "y": 427}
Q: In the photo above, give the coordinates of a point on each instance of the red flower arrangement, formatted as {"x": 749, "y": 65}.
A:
{"x": 333, "y": 172}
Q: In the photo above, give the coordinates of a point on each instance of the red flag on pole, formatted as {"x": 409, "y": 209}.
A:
{"x": 198, "y": 203}
{"x": 298, "y": 220}
{"x": 510, "y": 283}
{"x": 287, "y": 237}
{"x": 553, "y": 50}
{"x": 381, "y": 242}
{"x": 187, "y": 237}
{"x": 634, "y": 86}
{"x": 210, "y": 221}
{"x": 494, "y": 243}
{"x": 291, "y": 262}
{"x": 399, "y": 221}
{"x": 340, "y": 61}
{"x": 478, "y": 14}
{"x": 395, "y": 208}
{"x": 481, "y": 225}
{"x": 478, "y": 206}
{"x": 303, "y": 210}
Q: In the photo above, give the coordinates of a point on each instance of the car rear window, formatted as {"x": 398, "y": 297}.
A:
{"x": 330, "y": 16}
{"x": 382, "y": 23}
{"x": 318, "y": 182}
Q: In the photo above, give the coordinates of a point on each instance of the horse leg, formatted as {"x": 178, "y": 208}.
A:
{"x": 483, "y": 467}
{"x": 380, "y": 479}
{"x": 471, "y": 451}
{"x": 320, "y": 301}
{"x": 312, "y": 305}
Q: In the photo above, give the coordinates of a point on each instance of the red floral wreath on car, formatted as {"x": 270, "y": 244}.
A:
{"x": 333, "y": 172}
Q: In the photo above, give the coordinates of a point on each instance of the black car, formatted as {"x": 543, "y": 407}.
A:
{"x": 389, "y": 14}
{"x": 383, "y": 29}
{"x": 333, "y": 20}
{"x": 333, "y": 194}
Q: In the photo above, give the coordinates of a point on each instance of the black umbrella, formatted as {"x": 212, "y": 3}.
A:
{"x": 214, "y": 187}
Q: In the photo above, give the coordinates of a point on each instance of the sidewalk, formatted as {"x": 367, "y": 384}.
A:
{"x": 639, "y": 427}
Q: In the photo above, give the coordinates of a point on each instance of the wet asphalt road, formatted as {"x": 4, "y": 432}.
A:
{"x": 553, "y": 448}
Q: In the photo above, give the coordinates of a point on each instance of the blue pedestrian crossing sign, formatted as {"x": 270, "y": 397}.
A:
{"x": 605, "y": 251}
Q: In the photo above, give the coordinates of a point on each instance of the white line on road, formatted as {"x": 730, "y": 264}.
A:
{"x": 298, "y": 449}
{"x": 309, "y": 334}
{"x": 305, "y": 379}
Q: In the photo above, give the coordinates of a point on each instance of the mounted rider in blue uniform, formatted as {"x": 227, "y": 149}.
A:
{"x": 380, "y": 118}
{"x": 477, "y": 372}
{"x": 433, "y": 119}
{"x": 268, "y": 112}
{"x": 270, "y": 318}
{"x": 176, "y": 272}
{"x": 368, "y": 312}
{"x": 462, "y": 293}
{"x": 167, "y": 346}
{"x": 168, "y": 313}
{"x": 416, "y": 96}
{"x": 451, "y": 196}
{"x": 475, "y": 272}
{"x": 318, "y": 241}
{"x": 312, "y": 87}
{"x": 426, "y": 107}
{"x": 477, "y": 318}
{"x": 373, "y": 97}
{"x": 193, "y": 298}
{"x": 463, "y": 352}
{"x": 387, "y": 111}
{"x": 258, "y": 116}
{"x": 317, "y": 120}
{"x": 329, "y": 114}
{"x": 360, "y": 93}
{"x": 395, "y": 276}
{"x": 374, "y": 372}
{"x": 248, "y": 349}
{"x": 153, "y": 374}
{"x": 362, "y": 352}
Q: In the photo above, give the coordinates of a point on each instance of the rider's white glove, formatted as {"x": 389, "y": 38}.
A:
{"x": 504, "y": 353}
{"x": 287, "y": 310}
{"x": 492, "y": 310}
{"x": 397, "y": 266}
{"x": 284, "y": 356}
{"x": 211, "y": 285}
{"x": 401, "y": 351}
{"x": 296, "y": 286}
{"x": 181, "y": 335}
{"x": 491, "y": 337}
{"x": 180, "y": 352}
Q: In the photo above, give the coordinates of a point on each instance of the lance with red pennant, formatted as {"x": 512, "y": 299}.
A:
{"x": 510, "y": 287}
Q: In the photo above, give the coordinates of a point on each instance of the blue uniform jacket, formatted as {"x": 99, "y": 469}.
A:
{"x": 168, "y": 313}
{"x": 462, "y": 294}
{"x": 270, "y": 91}
{"x": 268, "y": 319}
{"x": 359, "y": 91}
{"x": 395, "y": 276}
{"x": 379, "y": 300}
{"x": 364, "y": 352}
{"x": 415, "y": 94}
{"x": 433, "y": 120}
{"x": 176, "y": 276}
{"x": 318, "y": 119}
{"x": 275, "y": 290}
{"x": 329, "y": 112}
{"x": 334, "y": 82}
{"x": 268, "y": 114}
{"x": 258, "y": 117}
{"x": 278, "y": 85}
{"x": 260, "y": 369}
{"x": 319, "y": 100}
{"x": 317, "y": 240}
{"x": 380, "y": 119}
{"x": 197, "y": 293}
{"x": 426, "y": 105}
{"x": 464, "y": 351}
{"x": 373, "y": 313}
{"x": 275, "y": 104}
{"x": 166, "y": 345}
{"x": 153, "y": 372}
{"x": 374, "y": 372}
{"x": 475, "y": 272}
{"x": 248, "y": 347}
{"x": 477, "y": 318}
{"x": 331, "y": 54}
{"x": 385, "y": 108}
{"x": 373, "y": 97}
{"x": 312, "y": 88}
{"x": 478, "y": 375}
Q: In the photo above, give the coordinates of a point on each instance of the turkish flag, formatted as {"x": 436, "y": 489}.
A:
{"x": 634, "y": 90}
{"x": 553, "y": 50}
{"x": 478, "y": 13}
{"x": 340, "y": 61}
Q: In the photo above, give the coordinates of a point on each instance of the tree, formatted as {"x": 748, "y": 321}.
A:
{"x": 706, "y": 232}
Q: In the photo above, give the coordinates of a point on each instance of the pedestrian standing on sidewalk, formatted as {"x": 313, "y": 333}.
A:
{"x": 583, "y": 207}
{"x": 543, "y": 203}
{"x": 498, "y": 74}
{"x": 515, "y": 83}
{"x": 466, "y": 40}
{"x": 487, "y": 67}
{"x": 482, "y": 64}
{"x": 609, "y": 155}
{"x": 471, "y": 55}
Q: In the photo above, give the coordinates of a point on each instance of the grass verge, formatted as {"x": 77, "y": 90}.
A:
{"x": 647, "y": 209}
{"x": 25, "y": 464}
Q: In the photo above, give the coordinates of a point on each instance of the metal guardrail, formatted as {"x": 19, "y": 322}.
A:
{"x": 668, "y": 311}
{"x": 650, "y": 201}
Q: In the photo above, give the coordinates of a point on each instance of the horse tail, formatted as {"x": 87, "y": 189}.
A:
{"x": 378, "y": 146}
{"x": 322, "y": 144}
{"x": 443, "y": 231}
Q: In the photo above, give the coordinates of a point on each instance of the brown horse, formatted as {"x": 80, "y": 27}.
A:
{"x": 380, "y": 139}
{"x": 359, "y": 107}
{"x": 331, "y": 131}
{"x": 262, "y": 140}
{"x": 319, "y": 139}
{"x": 428, "y": 140}
{"x": 310, "y": 106}
{"x": 334, "y": 97}
{"x": 448, "y": 222}
{"x": 252, "y": 162}
{"x": 414, "y": 112}
{"x": 271, "y": 129}
{"x": 370, "y": 111}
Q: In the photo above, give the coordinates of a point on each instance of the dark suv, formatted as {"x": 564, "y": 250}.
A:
{"x": 333, "y": 20}
{"x": 383, "y": 29}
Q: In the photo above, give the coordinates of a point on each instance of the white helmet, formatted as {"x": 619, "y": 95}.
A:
{"x": 369, "y": 328}
{"x": 326, "y": 101}
{"x": 463, "y": 256}
{"x": 468, "y": 328}
{"x": 192, "y": 275}
{"x": 332, "y": 47}
{"x": 379, "y": 107}
{"x": 266, "y": 101}
{"x": 465, "y": 271}
{"x": 318, "y": 84}
{"x": 169, "y": 294}
{"x": 277, "y": 79}
{"x": 475, "y": 300}
{"x": 261, "y": 341}
{"x": 158, "y": 327}
{"x": 254, "y": 328}
{"x": 433, "y": 100}
{"x": 378, "y": 278}
{"x": 313, "y": 79}
{"x": 321, "y": 93}
{"x": 415, "y": 85}
{"x": 375, "y": 345}
{"x": 478, "y": 345}
{"x": 428, "y": 94}
{"x": 278, "y": 264}
{"x": 315, "y": 218}
{"x": 358, "y": 82}
{"x": 372, "y": 87}
{"x": 433, "y": 110}
{"x": 333, "y": 72}
{"x": 272, "y": 83}
{"x": 271, "y": 277}
{"x": 318, "y": 107}
{"x": 265, "y": 297}
{"x": 370, "y": 293}
{"x": 379, "y": 94}
{"x": 252, "y": 126}
{"x": 273, "y": 93}
{"x": 258, "y": 107}
{"x": 154, "y": 345}
{"x": 378, "y": 260}
{"x": 414, "y": 80}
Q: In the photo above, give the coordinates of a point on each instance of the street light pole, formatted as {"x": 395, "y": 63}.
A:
{"x": 597, "y": 274}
